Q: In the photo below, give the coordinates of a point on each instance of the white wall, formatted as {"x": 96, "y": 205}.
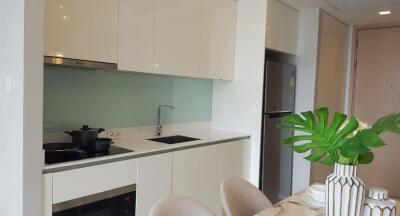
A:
{"x": 21, "y": 107}
{"x": 305, "y": 87}
{"x": 237, "y": 105}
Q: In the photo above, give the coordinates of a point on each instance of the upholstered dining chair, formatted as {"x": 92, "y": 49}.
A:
{"x": 241, "y": 198}
{"x": 179, "y": 206}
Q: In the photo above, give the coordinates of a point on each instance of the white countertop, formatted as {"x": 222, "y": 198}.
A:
{"x": 142, "y": 147}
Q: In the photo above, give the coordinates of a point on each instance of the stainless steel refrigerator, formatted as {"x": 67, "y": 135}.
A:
{"x": 277, "y": 159}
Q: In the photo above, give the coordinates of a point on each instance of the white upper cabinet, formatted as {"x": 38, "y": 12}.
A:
{"x": 192, "y": 38}
{"x": 135, "y": 35}
{"x": 282, "y": 27}
{"x": 217, "y": 58}
{"x": 177, "y": 37}
{"x": 79, "y": 29}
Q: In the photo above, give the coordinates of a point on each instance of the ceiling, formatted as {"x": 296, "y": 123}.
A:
{"x": 357, "y": 12}
{"x": 357, "y": 4}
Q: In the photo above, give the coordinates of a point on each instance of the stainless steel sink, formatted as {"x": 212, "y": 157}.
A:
{"x": 174, "y": 139}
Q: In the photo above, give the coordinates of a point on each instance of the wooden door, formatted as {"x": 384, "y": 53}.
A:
{"x": 377, "y": 93}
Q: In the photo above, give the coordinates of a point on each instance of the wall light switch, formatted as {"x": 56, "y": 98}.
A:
{"x": 9, "y": 85}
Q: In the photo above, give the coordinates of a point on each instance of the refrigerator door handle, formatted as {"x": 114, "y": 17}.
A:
{"x": 279, "y": 112}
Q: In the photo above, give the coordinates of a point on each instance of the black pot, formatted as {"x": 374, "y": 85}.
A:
{"x": 84, "y": 136}
{"x": 100, "y": 145}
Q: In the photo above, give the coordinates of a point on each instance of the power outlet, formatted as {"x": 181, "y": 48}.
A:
{"x": 114, "y": 134}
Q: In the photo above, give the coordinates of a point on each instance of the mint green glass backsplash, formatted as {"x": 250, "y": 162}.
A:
{"x": 73, "y": 97}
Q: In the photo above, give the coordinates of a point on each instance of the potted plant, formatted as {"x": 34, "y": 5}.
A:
{"x": 344, "y": 142}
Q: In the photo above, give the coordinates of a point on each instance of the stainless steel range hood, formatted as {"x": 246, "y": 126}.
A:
{"x": 77, "y": 63}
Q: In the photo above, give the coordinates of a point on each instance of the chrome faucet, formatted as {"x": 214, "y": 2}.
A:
{"x": 159, "y": 125}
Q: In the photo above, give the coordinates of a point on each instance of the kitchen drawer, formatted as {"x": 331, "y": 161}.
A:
{"x": 86, "y": 181}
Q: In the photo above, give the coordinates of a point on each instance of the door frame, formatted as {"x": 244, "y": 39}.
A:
{"x": 353, "y": 60}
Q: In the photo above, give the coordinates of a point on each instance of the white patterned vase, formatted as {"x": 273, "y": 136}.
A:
{"x": 377, "y": 203}
{"x": 344, "y": 192}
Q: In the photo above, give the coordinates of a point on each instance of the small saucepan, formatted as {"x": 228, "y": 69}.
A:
{"x": 84, "y": 136}
{"x": 100, "y": 145}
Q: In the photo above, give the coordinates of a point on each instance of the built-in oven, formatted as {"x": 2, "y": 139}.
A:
{"x": 117, "y": 202}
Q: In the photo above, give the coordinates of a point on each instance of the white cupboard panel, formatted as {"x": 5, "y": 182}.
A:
{"x": 233, "y": 161}
{"x": 195, "y": 174}
{"x": 177, "y": 36}
{"x": 135, "y": 35}
{"x": 78, "y": 29}
{"x": 48, "y": 194}
{"x": 86, "y": 181}
{"x": 217, "y": 60}
{"x": 154, "y": 181}
{"x": 282, "y": 27}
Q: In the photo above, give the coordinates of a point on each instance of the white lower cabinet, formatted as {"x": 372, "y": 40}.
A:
{"x": 195, "y": 174}
{"x": 48, "y": 194}
{"x": 77, "y": 183}
{"x": 154, "y": 181}
{"x": 233, "y": 161}
{"x": 198, "y": 172}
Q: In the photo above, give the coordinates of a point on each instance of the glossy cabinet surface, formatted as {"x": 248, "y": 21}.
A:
{"x": 233, "y": 161}
{"x": 72, "y": 184}
{"x": 195, "y": 175}
{"x": 48, "y": 194}
{"x": 154, "y": 181}
{"x": 282, "y": 27}
{"x": 135, "y": 35}
{"x": 198, "y": 172}
{"x": 192, "y": 38}
{"x": 86, "y": 30}
{"x": 218, "y": 42}
{"x": 177, "y": 37}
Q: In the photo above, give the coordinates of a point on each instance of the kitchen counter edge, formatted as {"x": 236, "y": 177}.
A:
{"x": 129, "y": 156}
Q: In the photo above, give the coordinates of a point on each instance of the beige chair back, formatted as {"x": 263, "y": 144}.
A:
{"x": 179, "y": 206}
{"x": 241, "y": 198}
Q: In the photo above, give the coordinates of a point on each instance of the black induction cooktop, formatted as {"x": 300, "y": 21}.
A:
{"x": 53, "y": 157}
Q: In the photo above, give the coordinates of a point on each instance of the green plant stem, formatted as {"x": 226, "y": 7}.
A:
{"x": 345, "y": 161}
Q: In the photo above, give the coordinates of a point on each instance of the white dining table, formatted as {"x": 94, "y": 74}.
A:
{"x": 292, "y": 206}
{"x": 295, "y": 206}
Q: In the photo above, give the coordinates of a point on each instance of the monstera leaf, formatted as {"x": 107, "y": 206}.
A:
{"x": 358, "y": 148}
{"x": 390, "y": 123}
{"x": 325, "y": 138}
{"x": 339, "y": 141}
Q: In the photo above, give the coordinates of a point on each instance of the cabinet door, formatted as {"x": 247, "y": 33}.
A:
{"x": 135, "y": 35}
{"x": 48, "y": 194}
{"x": 154, "y": 181}
{"x": 282, "y": 27}
{"x": 195, "y": 174}
{"x": 177, "y": 37}
{"x": 217, "y": 60}
{"x": 232, "y": 161}
{"x": 94, "y": 179}
{"x": 82, "y": 29}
